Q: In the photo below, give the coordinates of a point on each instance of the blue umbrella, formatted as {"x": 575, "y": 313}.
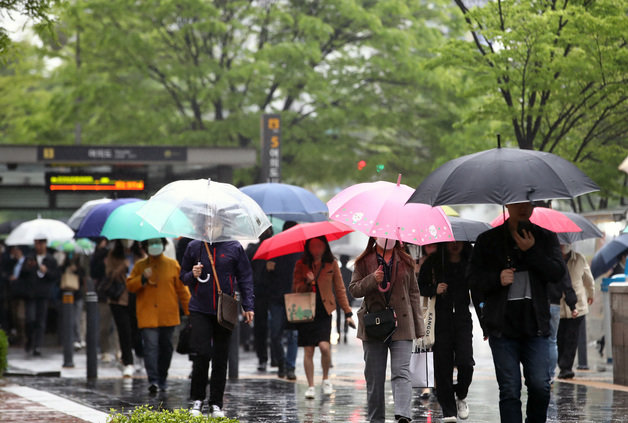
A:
{"x": 608, "y": 255}
{"x": 287, "y": 202}
{"x": 93, "y": 223}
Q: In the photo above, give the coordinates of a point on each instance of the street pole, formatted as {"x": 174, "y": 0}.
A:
{"x": 68, "y": 329}
{"x": 91, "y": 336}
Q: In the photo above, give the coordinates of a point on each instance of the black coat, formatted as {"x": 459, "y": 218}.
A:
{"x": 545, "y": 265}
{"x": 39, "y": 286}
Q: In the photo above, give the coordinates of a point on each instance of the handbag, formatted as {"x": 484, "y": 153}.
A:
{"x": 183, "y": 344}
{"x": 114, "y": 289}
{"x": 300, "y": 307}
{"x": 69, "y": 280}
{"x": 227, "y": 313}
{"x": 422, "y": 367}
{"x": 429, "y": 318}
{"x": 380, "y": 325}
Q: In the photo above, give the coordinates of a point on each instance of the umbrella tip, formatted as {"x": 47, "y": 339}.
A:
{"x": 399, "y": 179}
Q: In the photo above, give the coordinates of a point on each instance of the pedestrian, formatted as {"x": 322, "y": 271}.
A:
{"x": 209, "y": 340}
{"x": 345, "y": 272}
{"x": 444, "y": 277}
{"x": 620, "y": 267}
{"x": 160, "y": 295}
{"x": 74, "y": 262}
{"x": 39, "y": 274}
{"x": 18, "y": 292}
{"x": 263, "y": 282}
{"x": 384, "y": 274}
{"x": 318, "y": 271}
{"x": 105, "y": 318}
{"x": 511, "y": 267}
{"x": 571, "y": 319}
{"x": 116, "y": 270}
{"x": 426, "y": 251}
{"x": 280, "y": 330}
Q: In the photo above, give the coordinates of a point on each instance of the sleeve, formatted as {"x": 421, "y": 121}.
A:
{"x": 299, "y": 283}
{"x": 339, "y": 289}
{"x": 244, "y": 276}
{"x": 415, "y": 303}
{"x": 187, "y": 263}
{"x": 587, "y": 278}
{"x": 134, "y": 281}
{"x": 426, "y": 284}
{"x": 571, "y": 299}
{"x": 545, "y": 257}
{"x": 183, "y": 293}
{"x": 362, "y": 283}
{"x": 484, "y": 278}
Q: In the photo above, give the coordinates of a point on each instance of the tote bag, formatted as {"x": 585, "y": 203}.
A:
{"x": 429, "y": 318}
{"x": 422, "y": 368}
{"x": 300, "y": 307}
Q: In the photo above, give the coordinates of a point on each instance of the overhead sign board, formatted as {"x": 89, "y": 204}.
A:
{"x": 66, "y": 153}
{"x": 93, "y": 182}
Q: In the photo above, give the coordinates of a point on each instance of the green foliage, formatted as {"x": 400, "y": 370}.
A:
{"x": 35, "y": 10}
{"x": 4, "y": 350}
{"x": 146, "y": 414}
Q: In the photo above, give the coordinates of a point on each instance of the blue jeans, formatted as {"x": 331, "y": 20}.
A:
{"x": 277, "y": 324}
{"x": 553, "y": 348}
{"x": 157, "y": 354}
{"x": 533, "y": 354}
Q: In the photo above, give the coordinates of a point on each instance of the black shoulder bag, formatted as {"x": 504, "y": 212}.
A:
{"x": 380, "y": 325}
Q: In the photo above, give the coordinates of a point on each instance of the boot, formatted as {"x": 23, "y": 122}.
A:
{"x": 281, "y": 371}
{"x": 290, "y": 374}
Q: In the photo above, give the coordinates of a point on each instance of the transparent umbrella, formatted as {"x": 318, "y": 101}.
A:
{"x": 50, "y": 229}
{"x": 215, "y": 211}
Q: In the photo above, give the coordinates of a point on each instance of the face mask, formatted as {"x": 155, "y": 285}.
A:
{"x": 385, "y": 243}
{"x": 565, "y": 248}
{"x": 155, "y": 249}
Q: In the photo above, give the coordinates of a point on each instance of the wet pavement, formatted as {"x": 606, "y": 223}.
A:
{"x": 262, "y": 397}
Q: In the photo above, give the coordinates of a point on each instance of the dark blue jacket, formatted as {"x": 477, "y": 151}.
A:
{"x": 234, "y": 273}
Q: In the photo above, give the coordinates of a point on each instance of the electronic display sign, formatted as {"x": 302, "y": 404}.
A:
{"x": 94, "y": 182}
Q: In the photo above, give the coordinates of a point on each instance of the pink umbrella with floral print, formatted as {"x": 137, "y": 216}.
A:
{"x": 379, "y": 209}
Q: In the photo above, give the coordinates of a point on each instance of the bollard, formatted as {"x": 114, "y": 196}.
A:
{"x": 582, "y": 346}
{"x": 234, "y": 347}
{"x": 68, "y": 328}
{"x": 91, "y": 336}
{"x": 606, "y": 323}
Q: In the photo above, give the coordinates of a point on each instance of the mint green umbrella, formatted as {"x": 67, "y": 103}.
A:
{"x": 125, "y": 223}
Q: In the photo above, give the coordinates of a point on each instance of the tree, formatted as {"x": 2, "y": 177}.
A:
{"x": 35, "y": 10}
{"x": 556, "y": 73}
{"x": 346, "y": 76}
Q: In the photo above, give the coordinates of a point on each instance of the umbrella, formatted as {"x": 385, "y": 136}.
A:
{"x": 92, "y": 225}
{"x": 293, "y": 240}
{"x": 52, "y": 230}
{"x": 589, "y": 230}
{"x": 467, "y": 229}
{"x": 215, "y": 211}
{"x": 79, "y": 246}
{"x": 8, "y": 226}
{"x": 287, "y": 202}
{"x": 503, "y": 176}
{"x": 379, "y": 209}
{"x": 125, "y": 223}
{"x": 624, "y": 165}
{"x": 550, "y": 219}
{"x": 77, "y": 217}
{"x": 608, "y": 255}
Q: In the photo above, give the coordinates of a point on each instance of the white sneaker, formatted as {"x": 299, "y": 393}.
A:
{"x": 328, "y": 388}
{"x": 216, "y": 412}
{"x": 128, "y": 370}
{"x": 450, "y": 419}
{"x": 463, "y": 409}
{"x": 196, "y": 408}
{"x": 310, "y": 393}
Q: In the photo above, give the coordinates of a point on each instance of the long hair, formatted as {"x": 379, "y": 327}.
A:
{"x": 307, "y": 258}
{"x": 441, "y": 256}
{"x": 371, "y": 247}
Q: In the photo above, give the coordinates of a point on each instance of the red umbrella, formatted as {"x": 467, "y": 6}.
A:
{"x": 549, "y": 219}
{"x": 293, "y": 239}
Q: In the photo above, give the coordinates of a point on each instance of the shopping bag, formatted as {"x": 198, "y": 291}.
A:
{"x": 300, "y": 306}
{"x": 429, "y": 319}
{"x": 422, "y": 368}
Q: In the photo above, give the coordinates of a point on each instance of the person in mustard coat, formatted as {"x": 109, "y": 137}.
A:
{"x": 317, "y": 271}
{"x": 160, "y": 293}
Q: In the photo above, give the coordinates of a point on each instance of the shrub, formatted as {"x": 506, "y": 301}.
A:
{"x": 146, "y": 414}
{"x": 4, "y": 350}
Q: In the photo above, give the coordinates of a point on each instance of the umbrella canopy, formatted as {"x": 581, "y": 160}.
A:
{"x": 50, "y": 229}
{"x": 287, "y": 202}
{"x": 77, "y": 217}
{"x": 379, "y": 209}
{"x": 608, "y": 255}
{"x": 125, "y": 223}
{"x": 503, "y": 176}
{"x": 8, "y": 226}
{"x": 293, "y": 240}
{"x": 550, "y": 219}
{"x": 92, "y": 225}
{"x": 79, "y": 246}
{"x": 215, "y": 211}
{"x": 589, "y": 230}
{"x": 467, "y": 229}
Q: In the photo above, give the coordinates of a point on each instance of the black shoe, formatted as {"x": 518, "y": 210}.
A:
{"x": 290, "y": 374}
{"x": 153, "y": 388}
{"x": 281, "y": 372}
{"x": 273, "y": 363}
{"x": 261, "y": 367}
{"x": 36, "y": 353}
{"x": 566, "y": 374}
{"x": 402, "y": 419}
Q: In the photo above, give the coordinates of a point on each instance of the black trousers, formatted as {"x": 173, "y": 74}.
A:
{"x": 122, "y": 317}
{"x": 260, "y": 327}
{"x": 209, "y": 342}
{"x": 567, "y": 340}
{"x": 452, "y": 348}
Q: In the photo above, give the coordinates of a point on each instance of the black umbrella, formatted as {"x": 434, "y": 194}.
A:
{"x": 503, "y": 176}
{"x": 589, "y": 230}
{"x": 467, "y": 229}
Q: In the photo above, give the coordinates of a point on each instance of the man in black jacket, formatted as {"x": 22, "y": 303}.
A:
{"x": 511, "y": 267}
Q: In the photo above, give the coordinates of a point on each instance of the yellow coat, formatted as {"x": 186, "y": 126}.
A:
{"x": 157, "y": 305}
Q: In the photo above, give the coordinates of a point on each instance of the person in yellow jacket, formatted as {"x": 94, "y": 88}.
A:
{"x": 160, "y": 293}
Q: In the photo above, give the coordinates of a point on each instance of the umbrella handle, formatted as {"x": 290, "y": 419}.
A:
{"x": 385, "y": 288}
{"x": 206, "y": 278}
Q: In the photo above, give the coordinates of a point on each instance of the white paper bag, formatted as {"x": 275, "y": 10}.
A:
{"x": 422, "y": 369}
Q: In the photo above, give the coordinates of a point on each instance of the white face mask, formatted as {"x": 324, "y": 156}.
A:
{"x": 565, "y": 248}
{"x": 155, "y": 249}
{"x": 385, "y": 243}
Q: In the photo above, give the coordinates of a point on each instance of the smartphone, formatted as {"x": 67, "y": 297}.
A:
{"x": 524, "y": 225}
